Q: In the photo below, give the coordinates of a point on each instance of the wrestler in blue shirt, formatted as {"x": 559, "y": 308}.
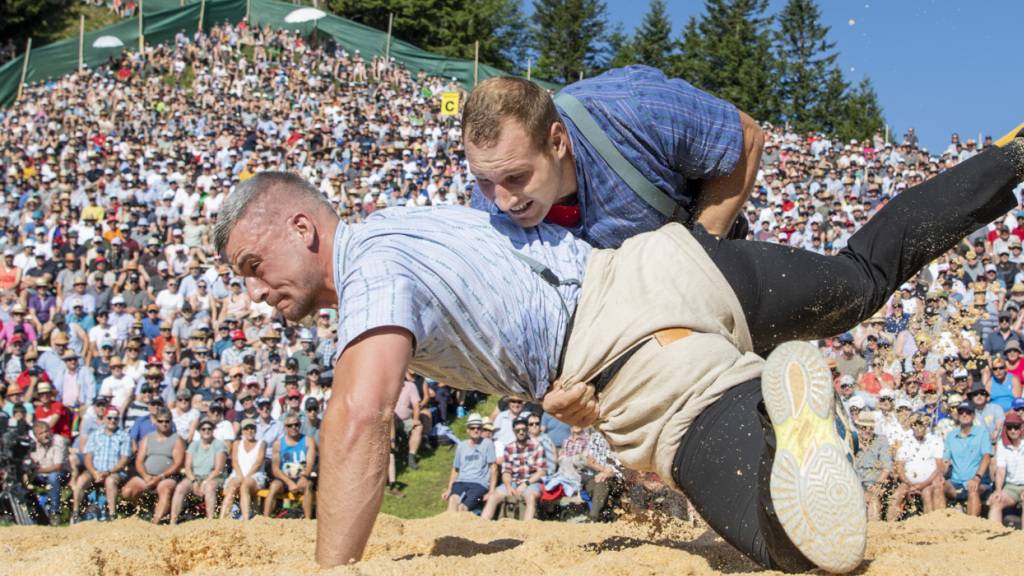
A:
{"x": 532, "y": 162}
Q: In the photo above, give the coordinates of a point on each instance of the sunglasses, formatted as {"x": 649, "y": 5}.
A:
{"x": 919, "y": 425}
{"x": 473, "y": 427}
{"x": 293, "y": 425}
{"x": 520, "y": 429}
{"x": 962, "y": 412}
{"x": 112, "y": 418}
{"x": 163, "y": 421}
{"x": 534, "y": 424}
{"x": 253, "y": 428}
{"x": 1013, "y": 427}
{"x": 206, "y": 429}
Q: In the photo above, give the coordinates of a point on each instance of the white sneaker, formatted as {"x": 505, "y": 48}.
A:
{"x": 815, "y": 491}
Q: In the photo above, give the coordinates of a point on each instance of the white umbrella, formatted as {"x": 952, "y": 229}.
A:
{"x": 107, "y": 42}
{"x": 304, "y": 15}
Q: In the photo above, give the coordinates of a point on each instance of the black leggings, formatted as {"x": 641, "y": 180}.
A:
{"x": 792, "y": 294}
{"x": 724, "y": 461}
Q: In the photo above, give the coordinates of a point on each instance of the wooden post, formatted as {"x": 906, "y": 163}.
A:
{"x": 529, "y": 68}
{"x": 24, "y": 67}
{"x": 81, "y": 42}
{"x": 142, "y": 37}
{"x": 387, "y": 44}
{"x": 476, "y": 62}
{"x": 202, "y": 10}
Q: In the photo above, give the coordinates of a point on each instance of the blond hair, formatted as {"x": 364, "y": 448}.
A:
{"x": 497, "y": 99}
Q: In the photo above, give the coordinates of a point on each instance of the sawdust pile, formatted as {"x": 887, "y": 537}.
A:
{"x": 940, "y": 543}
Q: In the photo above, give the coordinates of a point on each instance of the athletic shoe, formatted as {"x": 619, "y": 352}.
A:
{"x": 1017, "y": 132}
{"x": 814, "y": 489}
{"x": 411, "y": 462}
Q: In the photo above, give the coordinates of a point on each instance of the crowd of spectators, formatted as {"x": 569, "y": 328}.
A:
{"x": 148, "y": 377}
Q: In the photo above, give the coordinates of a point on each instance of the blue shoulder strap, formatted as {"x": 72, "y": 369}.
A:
{"x": 643, "y": 188}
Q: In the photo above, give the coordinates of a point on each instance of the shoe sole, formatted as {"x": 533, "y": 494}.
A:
{"x": 814, "y": 488}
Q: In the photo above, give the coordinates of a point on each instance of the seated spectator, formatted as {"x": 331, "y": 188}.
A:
{"x": 503, "y": 419}
{"x": 474, "y": 473}
{"x": 1002, "y": 386}
{"x": 52, "y": 411}
{"x": 873, "y": 463}
{"x": 247, "y": 475}
{"x": 602, "y": 475}
{"x": 158, "y": 465}
{"x": 49, "y": 462}
{"x": 967, "y": 454}
{"x": 311, "y": 419}
{"x": 204, "y": 470}
{"x": 919, "y": 468}
{"x": 92, "y": 421}
{"x": 145, "y": 425}
{"x": 521, "y": 471}
{"x": 1009, "y": 480}
{"x": 292, "y": 464}
{"x": 223, "y": 429}
{"x": 986, "y": 414}
{"x": 107, "y": 453}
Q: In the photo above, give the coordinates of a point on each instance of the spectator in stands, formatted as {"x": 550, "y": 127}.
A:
{"x": 158, "y": 464}
{"x": 414, "y": 421}
{"x": 474, "y": 475}
{"x": 986, "y": 414}
{"x": 292, "y": 465}
{"x": 311, "y": 419}
{"x": 550, "y": 449}
{"x": 1002, "y": 386}
{"x": 521, "y": 472}
{"x": 52, "y": 411}
{"x": 503, "y": 419}
{"x": 49, "y": 465}
{"x": 873, "y": 463}
{"x": 919, "y": 468}
{"x": 107, "y": 454}
{"x": 247, "y": 476}
{"x": 1009, "y": 475}
{"x": 604, "y": 477}
{"x": 967, "y": 454}
{"x": 268, "y": 429}
{"x": 203, "y": 471}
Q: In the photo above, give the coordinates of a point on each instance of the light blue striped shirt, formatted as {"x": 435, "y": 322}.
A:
{"x": 670, "y": 131}
{"x": 482, "y": 319}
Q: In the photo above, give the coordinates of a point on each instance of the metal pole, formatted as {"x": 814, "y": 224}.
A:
{"x": 529, "y": 68}
{"x": 476, "y": 62}
{"x": 202, "y": 10}
{"x": 387, "y": 45}
{"x": 142, "y": 38}
{"x": 248, "y": 11}
{"x": 81, "y": 42}
{"x": 24, "y": 67}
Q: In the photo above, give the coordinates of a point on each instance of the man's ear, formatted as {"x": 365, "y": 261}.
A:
{"x": 558, "y": 140}
{"x": 305, "y": 229}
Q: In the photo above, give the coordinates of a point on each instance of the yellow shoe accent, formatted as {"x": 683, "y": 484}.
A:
{"x": 815, "y": 491}
{"x": 1010, "y": 135}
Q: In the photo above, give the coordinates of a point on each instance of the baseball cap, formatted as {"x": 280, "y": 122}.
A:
{"x": 238, "y": 335}
{"x": 262, "y": 401}
{"x": 247, "y": 422}
{"x": 312, "y": 403}
{"x": 291, "y": 363}
{"x": 887, "y": 393}
{"x": 966, "y": 406}
{"x": 846, "y": 380}
{"x": 858, "y": 402}
{"x": 846, "y": 338}
{"x": 959, "y": 373}
{"x": 294, "y": 393}
{"x": 1017, "y": 404}
{"x": 903, "y": 403}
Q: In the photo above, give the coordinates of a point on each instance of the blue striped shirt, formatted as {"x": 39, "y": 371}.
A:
{"x": 107, "y": 448}
{"x": 669, "y": 130}
{"x": 481, "y": 318}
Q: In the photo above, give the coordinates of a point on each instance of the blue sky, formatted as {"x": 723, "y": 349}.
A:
{"x": 941, "y": 66}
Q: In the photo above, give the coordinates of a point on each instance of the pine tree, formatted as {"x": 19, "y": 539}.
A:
{"x": 728, "y": 53}
{"x": 690, "y": 63}
{"x": 621, "y": 48}
{"x": 652, "y": 41}
{"x": 569, "y": 36}
{"x": 805, "y": 59}
{"x": 861, "y": 114}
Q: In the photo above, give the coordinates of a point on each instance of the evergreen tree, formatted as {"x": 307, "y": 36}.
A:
{"x": 499, "y": 26}
{"x": 861, "y": 113}
{"x": 569, "y": 37}
{"x": 652, "y": 42}
{"x": 805, "y": 60}
{"x": 690, "y": 63}
{"x": 728, "y": 53}
{"x": 621, "y": 48}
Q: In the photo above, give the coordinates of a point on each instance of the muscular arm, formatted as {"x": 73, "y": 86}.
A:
{"x": 355, "y": 445}
{"x": 722, "y": 198}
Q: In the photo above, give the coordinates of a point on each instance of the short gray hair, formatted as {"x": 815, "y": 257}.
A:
{"x": 238, "y": 202}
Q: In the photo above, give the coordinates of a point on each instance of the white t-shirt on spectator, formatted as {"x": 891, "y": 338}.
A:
{"x": 1012, "y": 459}
{"x": 919, "y": 457}
{"x": 119, "y": 389}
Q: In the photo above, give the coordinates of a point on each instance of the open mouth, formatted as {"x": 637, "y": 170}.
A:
{"x": 521, "y": 209}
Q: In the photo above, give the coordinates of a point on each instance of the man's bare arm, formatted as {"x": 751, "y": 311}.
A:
{"x": 355, "y": 442}
{"x": 721, "y": 199}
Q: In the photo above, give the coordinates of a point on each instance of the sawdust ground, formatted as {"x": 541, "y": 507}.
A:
{"x": 941, "y": 543}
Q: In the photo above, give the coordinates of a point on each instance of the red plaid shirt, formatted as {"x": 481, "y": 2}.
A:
{"x": 523, "y": 461}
